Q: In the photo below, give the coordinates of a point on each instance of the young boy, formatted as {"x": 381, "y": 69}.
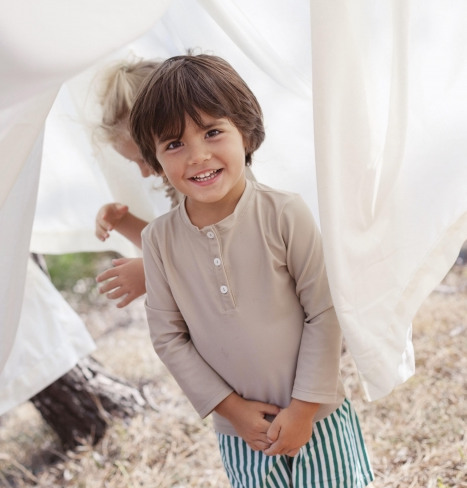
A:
{"x": 238, "y": 302}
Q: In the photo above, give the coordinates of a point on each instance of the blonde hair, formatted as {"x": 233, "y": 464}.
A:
{"x": 121, "y": 82}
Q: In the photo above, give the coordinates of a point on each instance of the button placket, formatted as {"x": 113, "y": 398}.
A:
{"x": 223, "y": 284}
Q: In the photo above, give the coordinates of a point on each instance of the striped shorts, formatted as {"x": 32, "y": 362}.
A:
{"x": 335, "y": 457}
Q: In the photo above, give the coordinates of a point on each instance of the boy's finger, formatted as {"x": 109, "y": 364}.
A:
{"x": 273, "y": 431}
{"x": 260, "y": 446}
{"x": 126, "y": 301}
{"x": 261, "y": 437}
{"x": 109, "y": 286}
{"x": 269, "y": 409}
{"x": 108, "y": 273}
{"x": 120, "y": 261}
{"x": 118, "y": 293}
{"x": 264, "y": 426}
{"x": 274, "y": 449}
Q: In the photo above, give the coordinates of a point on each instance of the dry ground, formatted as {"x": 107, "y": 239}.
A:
{"x": 417, "y": 436}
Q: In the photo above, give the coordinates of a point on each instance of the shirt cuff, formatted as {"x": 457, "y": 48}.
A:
{"x": 308, "y": 396}
{"x": 208, "y": 407}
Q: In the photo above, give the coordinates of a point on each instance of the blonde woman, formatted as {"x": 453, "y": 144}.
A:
{"x": 121, "y": 84}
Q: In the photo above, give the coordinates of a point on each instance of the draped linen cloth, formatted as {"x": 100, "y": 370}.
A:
{"x": 51, "y": 339}
{"x": 389, "y": 115}
{"x": 390, "y": 112}
{"x": 42, "y": 45}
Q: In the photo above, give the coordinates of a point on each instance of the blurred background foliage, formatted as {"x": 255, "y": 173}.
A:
{"x": 77, "y": 272}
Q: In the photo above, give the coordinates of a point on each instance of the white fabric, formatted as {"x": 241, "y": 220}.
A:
{"x": 51, "y": 339}
{"x": 64, "y": 220}
{"x": 285, "y": 160}
{"x": 16, "y": 217}
{"x": 43, "y": 44}
{"x": 390, "y": 112}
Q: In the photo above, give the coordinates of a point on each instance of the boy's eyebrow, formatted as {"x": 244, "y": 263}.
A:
{"x": 165, "y": 139}
{"x": 204, "y": 127}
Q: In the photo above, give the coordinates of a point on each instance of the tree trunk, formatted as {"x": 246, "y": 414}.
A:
{"x": 80, "y": 404}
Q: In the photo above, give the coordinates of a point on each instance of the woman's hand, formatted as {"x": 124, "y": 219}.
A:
{"x": 108, "y": 218}
{"x": 126, "y": 278}
{"x": 247, "y": 417}
{"x": 292, "y": 428}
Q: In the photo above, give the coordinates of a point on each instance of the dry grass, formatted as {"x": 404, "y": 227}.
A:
{"x": 417, "y": 436}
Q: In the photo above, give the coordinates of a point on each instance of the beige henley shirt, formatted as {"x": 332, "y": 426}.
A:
{"x": 244, "y": 305}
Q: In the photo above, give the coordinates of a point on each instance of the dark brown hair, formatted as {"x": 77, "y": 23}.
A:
{"x": 192, "y": 85}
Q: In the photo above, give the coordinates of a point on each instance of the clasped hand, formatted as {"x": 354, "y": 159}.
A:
{"x": 292, "y": 428}
{"x": 289, "y": 431}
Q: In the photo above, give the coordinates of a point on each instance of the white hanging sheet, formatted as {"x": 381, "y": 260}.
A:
{"x": 390, "y": 112}
{"x": 16, "y": 218}
{"x": 42, "y": 45}
{"x": 51, "y": 339}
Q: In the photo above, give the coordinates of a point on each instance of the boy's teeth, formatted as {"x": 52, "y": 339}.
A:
{"x": 205, "y": 176}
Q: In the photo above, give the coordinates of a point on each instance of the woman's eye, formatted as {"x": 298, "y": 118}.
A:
{"x": 174, "y": 145}
{"x": 213, "y": 132}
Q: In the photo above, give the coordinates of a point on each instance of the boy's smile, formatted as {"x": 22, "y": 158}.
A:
{"x": 208, "y": 166}
{"x": 206, "y": 177}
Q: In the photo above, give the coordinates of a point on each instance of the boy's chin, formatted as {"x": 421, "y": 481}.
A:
{"x": 205, "y": 199}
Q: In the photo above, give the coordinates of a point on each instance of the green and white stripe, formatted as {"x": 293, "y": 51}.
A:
{"x": 335, "y": 457}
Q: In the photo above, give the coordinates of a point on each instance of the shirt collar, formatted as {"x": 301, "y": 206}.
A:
{"x": 224, "y": 224}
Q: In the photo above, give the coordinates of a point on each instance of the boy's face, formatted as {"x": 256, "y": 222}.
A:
{"x": 206, "y": 165}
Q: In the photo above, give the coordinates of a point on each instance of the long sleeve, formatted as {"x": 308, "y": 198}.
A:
{"x": 317, "y": 374}
{"x": 171, "y": 338}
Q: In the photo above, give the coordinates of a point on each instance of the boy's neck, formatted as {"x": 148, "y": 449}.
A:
{"x": 203, "y": 214}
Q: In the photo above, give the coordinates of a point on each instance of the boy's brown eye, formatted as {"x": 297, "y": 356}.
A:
{"x": 213, "y": 132}
{"x": 174, "y": 145}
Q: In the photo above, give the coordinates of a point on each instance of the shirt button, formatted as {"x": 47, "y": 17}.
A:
{"x": 210, "y": 235}
{"x": 217, "y": 262}
{"x": 224, "y": 289}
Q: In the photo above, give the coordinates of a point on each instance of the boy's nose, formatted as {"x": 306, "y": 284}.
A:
{"x": 199, "y": 154}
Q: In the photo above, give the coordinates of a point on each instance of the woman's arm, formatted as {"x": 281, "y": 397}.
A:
{"x": 131, "y": 227}
{"x": 116, "y": 216}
